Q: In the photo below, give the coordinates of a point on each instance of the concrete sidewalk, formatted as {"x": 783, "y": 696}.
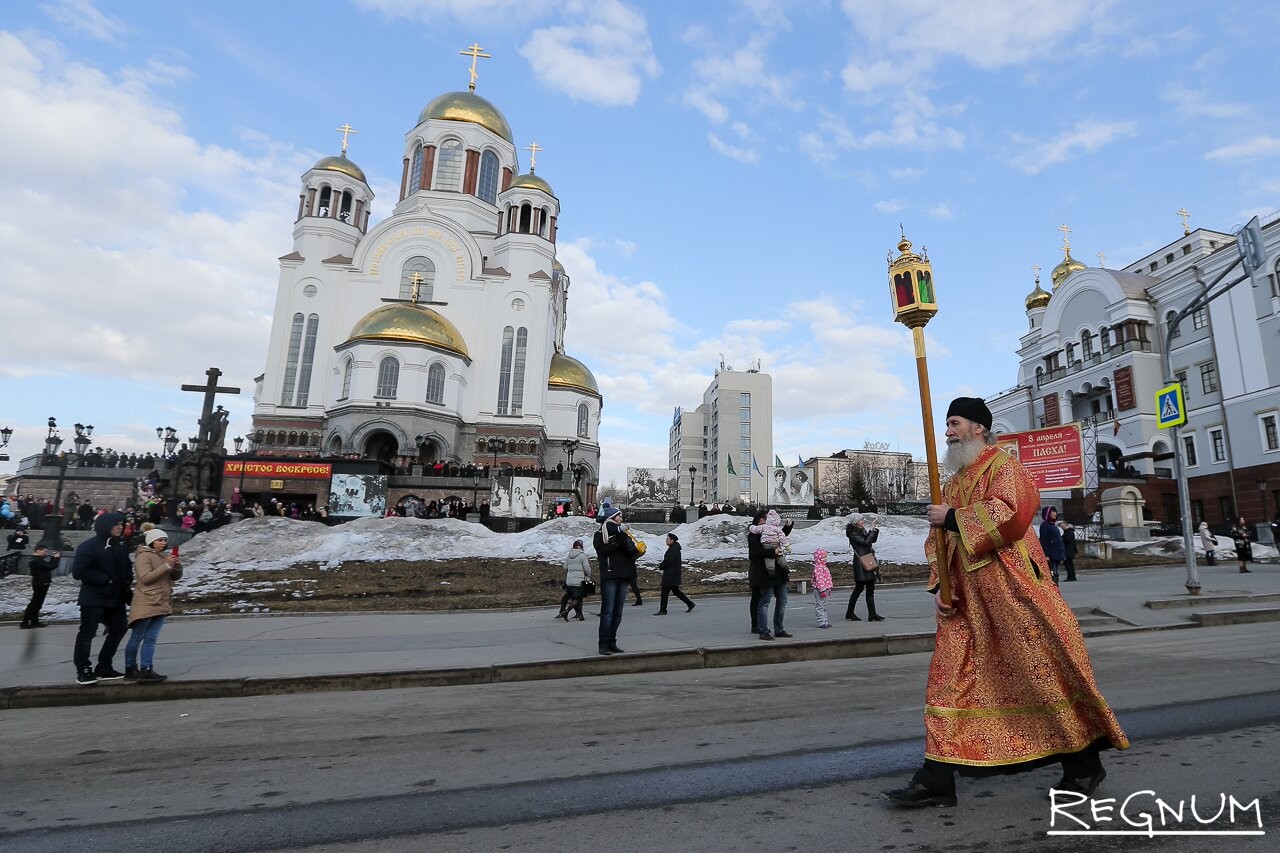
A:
{"x": 223, "y": 656}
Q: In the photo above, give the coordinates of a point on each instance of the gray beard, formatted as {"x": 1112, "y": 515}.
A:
{"x": 961, "y": 455}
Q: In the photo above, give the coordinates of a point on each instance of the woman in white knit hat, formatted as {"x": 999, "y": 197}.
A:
{"x": 152, "y": 602}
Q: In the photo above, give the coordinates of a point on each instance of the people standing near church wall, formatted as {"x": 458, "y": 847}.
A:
{"x": 1240, "y": 536}
{"x": 152, "y": 604}
{"x": 671, "y": 568}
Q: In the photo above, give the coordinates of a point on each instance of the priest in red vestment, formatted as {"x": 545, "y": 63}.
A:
{"x": 1010, "y": 686}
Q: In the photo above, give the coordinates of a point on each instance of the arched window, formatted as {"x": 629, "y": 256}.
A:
{"x": 481, "y": 446}
{"x": 291, "y": 360}
{"x": 344, "y": 209}
{"x": 487, "y": 188}
{"x": 1086, "y": 346}
{"x": 435, "y": 383}
{"x": 1104, "y": 337}
{"x": 326, "y": 196}
{"x": 293, "y": 439}
{"x": 1071, "y": 353}
{"x": 504, "y": 370}
{"x": 347, "y": 367}
{"x": 449, "y": 169}
{"x": 1039, "y": 376}
{"x": 584, "y": 414}
{"x": 271, "y": 437}
{"x": 388, "y": 378}
{"x": 426, "y": 271}
{"x": 335, "y": 445}
{"x": 533, "y": 447}
{"x": 1168, "y": 324}
{"x": 511, "y": 218}
{"x": 308, "y": 358}
{"x": 526, "y": 218}
{"x": 415, "y": 171}
{"x": 517, "y": 371}
{"x": 543, "y": 220}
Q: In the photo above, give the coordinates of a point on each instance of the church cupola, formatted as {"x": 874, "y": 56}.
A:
{"x": 1036, "y": 302}
{"x": 1069, "y": 264}
{"x": 335, "y": 188}
{"x": 529, "y": 206}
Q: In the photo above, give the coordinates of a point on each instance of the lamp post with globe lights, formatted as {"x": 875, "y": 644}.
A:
{"x": 52, "y": 443}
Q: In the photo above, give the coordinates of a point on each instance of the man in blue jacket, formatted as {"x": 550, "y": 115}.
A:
{"x": 102, "y": 566}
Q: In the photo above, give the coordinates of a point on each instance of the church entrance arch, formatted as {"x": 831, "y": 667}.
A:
{"x": 381, "y": 445}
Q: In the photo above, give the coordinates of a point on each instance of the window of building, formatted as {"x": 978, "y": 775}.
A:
{"x": 347, "y": 368}
{"x": 744, "y": 443}
{"x": 504, "y": 369}
{"x": 308, "y": 359}
{"x": 1218, "y": 444}
{"x": 435, "y": 383}
{"x": 583, "y": 414}
{"x": 1228, "y": 508}
{"x": 310, "y": 290}
{"x": 487, "y": 188}
{"x": 744, "y": 429}
{"x": 388, "y": 378}
{"x": 291, "y": 360}
{"x": 1181, "y": 376}
{"x": 1174, "y": 331}
{"x": 449, "y": 169}
{"x": 745, "y": 417}
{"x": 1199, "y": 318}
{"x": 744, "y": 399}
{"x": 415, "y": 172}
{"x": 1071, "y": 354}
{"x": 1186, "y": 250}
{"x": 1197, "y": 512}
{"x": 1208, "y": 378}
{"x": 517, "y": 375}
{"x": 1104, "y": 335}
{"x": 1168, "y": 259}
{"x": 744, "y": 485}
{"x": 1270, "y": 438}
{"x": 425, "y": 270}
{"x": 1086, "y": 346}
{"x": 1189, "y": 450}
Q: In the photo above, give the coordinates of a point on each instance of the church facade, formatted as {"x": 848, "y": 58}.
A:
{"x": 438, "y": 333}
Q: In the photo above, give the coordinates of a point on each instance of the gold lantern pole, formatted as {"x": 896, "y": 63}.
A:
{"x": 911, "y": 291}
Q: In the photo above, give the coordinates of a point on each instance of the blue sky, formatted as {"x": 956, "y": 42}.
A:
{"x": 731, "y": 176}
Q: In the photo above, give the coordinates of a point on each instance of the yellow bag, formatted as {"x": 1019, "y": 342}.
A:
{"x": 639, "y": 546}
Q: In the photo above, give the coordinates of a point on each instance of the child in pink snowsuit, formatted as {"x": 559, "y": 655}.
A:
{"x": 822, "y": 586}
{"x": 772, "y": 539}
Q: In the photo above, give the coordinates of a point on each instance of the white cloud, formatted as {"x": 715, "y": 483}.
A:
{"x": 83, "y": 16}
{"x": 742, "y": 155}
{"x": 714, "y": 110}
{"x": 916, "y": 124}
{"x": 903, "y": 174}
{"x": 478, "y": 11}
{"x": 941, "y": 210}
{"x": 603, "y": 58}
{"x": 1194, "y": 103}
{"x": 1087, "y": 136}
{"x": 1249, "y": 149}
{"x": 890, "y": 205}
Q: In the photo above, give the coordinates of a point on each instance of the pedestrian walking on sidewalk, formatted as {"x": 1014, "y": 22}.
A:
{"x": 1010, "y": 686}
{"x": 671, "y": 569}
{"x": 101, "y": 564}
{"x": 152, "y": 604}
{"x": 42, "y": 566}
{"x": 1068, "y": 549}
{"x": 822, "y": 586}
{"x": 616, "y": 554}
{"x": 1209, "y": 542}
{"x": 1051, "y": 540}
{"x": 865, "y": 568}
{"x": 773, "y": 575}
{"x": 1244, "y": 550}
{"x": 577, "y": 571}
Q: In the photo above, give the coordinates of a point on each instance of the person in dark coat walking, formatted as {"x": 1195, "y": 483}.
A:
{"x": 102, "y": 566}
{"x": 42, "y": 566}
{"x": 1051, "y": 540}
{"x": 617, "y": 571}
{"x": 1069, "y": 548}
{"x": 1240, "y": 536}
{"x": 671, "y": 568}
{"x": 863, "y": 542}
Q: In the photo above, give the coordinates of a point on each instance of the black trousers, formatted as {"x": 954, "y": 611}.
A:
{"x": 674, "y": 590}
{"x": 117, "y": 621}
{"x": 939, "y": 776}
{"x": 755, "y": 607}
{"x": 870, "y": 587}
{"x": 635, "y": 590}
{"x": 32, "y": 613}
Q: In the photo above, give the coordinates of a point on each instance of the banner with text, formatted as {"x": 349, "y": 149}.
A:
{"x": 1054, "y": 456}
{"x": 279, "y": 470}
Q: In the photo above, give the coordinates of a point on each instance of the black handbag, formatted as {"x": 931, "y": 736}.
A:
{"x": 588, "y": 588}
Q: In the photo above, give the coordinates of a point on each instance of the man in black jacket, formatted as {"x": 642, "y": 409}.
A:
{"x": 102, "y": 566}
{"x": 42, "y": 566}
{"x": 617, "y": 572}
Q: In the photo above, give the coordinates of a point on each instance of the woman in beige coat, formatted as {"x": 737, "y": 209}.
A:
{"x": 152, "y": 602}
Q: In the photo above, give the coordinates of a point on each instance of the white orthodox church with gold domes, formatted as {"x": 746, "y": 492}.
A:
{"x": 437, "y": 334}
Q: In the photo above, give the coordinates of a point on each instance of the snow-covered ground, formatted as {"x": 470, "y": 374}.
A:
{"x": 213, "y": 559}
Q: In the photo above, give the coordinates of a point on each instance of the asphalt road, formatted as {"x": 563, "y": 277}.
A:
{"x": 779, "y": 757}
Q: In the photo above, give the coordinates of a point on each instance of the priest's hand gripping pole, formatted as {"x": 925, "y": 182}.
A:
{"x": 911, "y": 290}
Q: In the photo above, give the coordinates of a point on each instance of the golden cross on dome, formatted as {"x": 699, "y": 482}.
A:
{"x": 1035, "y": 268}
{"x": 1102, "y": 260}
{"x": 345, "y": 130}
{"x": 533, "y": 148}
{"x": 416, "y": 280}
{"x": 1186, "y": 220}
{"x": 475, "y": 52}
{"x": 1066, "y": 242}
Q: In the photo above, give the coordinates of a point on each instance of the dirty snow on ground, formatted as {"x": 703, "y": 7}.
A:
{"x": 213, "y": 560}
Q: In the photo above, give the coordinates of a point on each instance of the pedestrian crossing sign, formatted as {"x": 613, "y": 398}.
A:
{"x": 1171, "y": 410}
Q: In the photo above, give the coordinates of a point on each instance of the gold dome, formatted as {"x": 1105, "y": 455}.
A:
{"x": 410, "y": 323}
{"x": 568, "y": 372}
{"x": 467, "y": 106}
{"x": 531, "y": 181}
{"x": 1038, "y": 298}
{"x": 1066, "y": 268}
{"x": 557, "y": 266}
{"x": 343, "y": 165}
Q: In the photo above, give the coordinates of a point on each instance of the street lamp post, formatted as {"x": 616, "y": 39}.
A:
{"x": 914, "y": 304}
{"x": 239, "y": 442}
{"x": 570, "y": 445}
{"x": 5, "y": 435}
{"x": 693, "y": 469}
{"x": 53, "y": 441}
{"x": 475, "y": 490}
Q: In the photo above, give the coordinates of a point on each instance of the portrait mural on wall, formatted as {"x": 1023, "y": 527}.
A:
{"x": 526, "y": 497}
{"x": 791, "y": 486}
{"x": 653, "y": 486}
{"x": 358, "y": 495}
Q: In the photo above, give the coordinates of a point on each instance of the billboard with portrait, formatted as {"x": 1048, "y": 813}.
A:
{"x": 526, "y": 497}
{"x": 653, "y": 487}
{"x": 791, "y": 486}
{"x": 358, "y": 495}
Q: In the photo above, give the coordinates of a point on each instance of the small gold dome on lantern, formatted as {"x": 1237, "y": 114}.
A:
{"x": 1038, "y": 298}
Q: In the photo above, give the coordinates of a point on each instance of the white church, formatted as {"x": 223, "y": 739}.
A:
{"x": 438, "y": 334}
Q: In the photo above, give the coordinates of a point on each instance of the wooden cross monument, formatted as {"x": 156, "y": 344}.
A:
{"x": 211, "y": 425}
